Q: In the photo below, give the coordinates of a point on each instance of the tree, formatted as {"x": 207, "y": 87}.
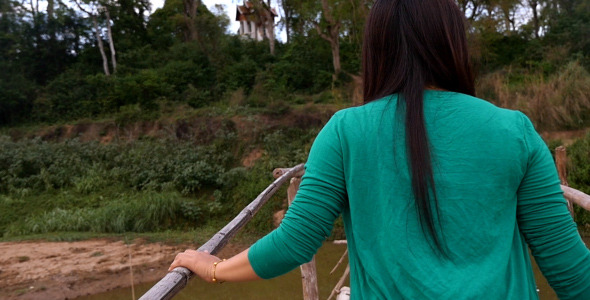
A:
{"x": 472, "y": 8}
{"x": 190, "y": 14}
{"x": 93, "y": 8}
{"x": 332, "y": 20}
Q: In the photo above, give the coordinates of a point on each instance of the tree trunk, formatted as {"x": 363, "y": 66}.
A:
{"x": 533, "y": 4}
{"x": 271, "y": 35}
{"x": 50, "y": 7}
{"x": 190, "y": 14}
{"x": 111, "y": 42}
{"x": 270, "y": 27}
{"x": 335, "y": 46}
{"x": 287, "y": 28}
{"x": 34, "y": 9}
{"x": 332, "y": 37}
{"x": 51, "y": 19}
{"x": 475, "y": 11}
{"x": 105, "y": 63}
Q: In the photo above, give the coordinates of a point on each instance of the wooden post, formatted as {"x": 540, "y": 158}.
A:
{"x": 561, "y": 164}
{"x": 309, "y": 275}
{"x": 293, "y": 188}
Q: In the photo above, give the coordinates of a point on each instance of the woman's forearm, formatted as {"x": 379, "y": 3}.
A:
{"x": 237, "y": 268}
{"x": 209, "y": 267}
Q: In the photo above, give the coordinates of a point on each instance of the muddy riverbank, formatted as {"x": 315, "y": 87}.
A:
{"x": 66, "y": 270}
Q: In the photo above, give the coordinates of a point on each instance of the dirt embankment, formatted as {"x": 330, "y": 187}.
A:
{"x": 199, "y": 129}
{"x": 65, "y": 270}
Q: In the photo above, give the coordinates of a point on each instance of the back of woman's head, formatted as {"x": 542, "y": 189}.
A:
{"x": 411, "y": 45}
{"x": 415, "y": 42}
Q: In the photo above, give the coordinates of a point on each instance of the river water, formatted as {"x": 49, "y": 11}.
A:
{"x": 286, "y": 287}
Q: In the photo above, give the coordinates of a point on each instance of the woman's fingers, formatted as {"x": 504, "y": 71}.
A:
{"x": 176, "y": 262}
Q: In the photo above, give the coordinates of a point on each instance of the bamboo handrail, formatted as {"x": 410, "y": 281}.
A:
{"x": 580, "y": 198}
{"x": 571, "y": 195}
{"x": 177, "y": 279}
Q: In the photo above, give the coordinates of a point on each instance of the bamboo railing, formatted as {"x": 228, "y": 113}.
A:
{"x": 577, "y": 197}
{"x": 178, "y": 278}
{"x": 571, "y": 195}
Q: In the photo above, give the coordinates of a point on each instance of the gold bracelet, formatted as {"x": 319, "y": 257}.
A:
{"x": 215, "y": 268}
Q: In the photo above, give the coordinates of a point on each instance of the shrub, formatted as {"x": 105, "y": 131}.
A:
{"x": 89, "y": 167}
{"x": 181, "y": 75}
{"x": 143, "y": 88}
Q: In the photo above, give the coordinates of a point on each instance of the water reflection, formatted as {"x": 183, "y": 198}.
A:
{"x": 284, "y": 287}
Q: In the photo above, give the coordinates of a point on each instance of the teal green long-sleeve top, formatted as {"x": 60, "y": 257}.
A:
{"x": 497, "y": 191}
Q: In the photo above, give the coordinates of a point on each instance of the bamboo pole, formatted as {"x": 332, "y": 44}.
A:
{"x": 339, "y": 261}
{"x": 177, "y": 279}
{"x": 340, "y": 283}
{"x": 577, "y": 197}
{"x": 131, "y": 273}
{"x": 278, "y": 172}
{"x": 561, "y": 165}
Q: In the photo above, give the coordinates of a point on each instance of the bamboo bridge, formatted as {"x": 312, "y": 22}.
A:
{"x": 178, "y": 278}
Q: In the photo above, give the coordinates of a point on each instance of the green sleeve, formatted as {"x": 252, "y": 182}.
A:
{"x": 547, "y": 226}
{"x": 309, "y": 219}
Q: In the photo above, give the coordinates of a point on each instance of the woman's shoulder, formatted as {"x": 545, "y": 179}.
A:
{"x": 440, "y": 106}
{"x": 473, "y": 108}
{"x": 376, "y": 107}
{"x": 440, "y": 100}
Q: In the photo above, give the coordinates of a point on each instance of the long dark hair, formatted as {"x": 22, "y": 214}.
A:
{"x": 411, "y": 45}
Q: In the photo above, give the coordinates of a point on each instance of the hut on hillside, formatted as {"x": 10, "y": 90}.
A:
{"x": 256, "y": 20}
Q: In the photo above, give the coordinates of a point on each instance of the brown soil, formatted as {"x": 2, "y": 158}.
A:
{"x": 567, "y": 137}
{"x": 252, "y": 157}
{"x": 65, "y": 270}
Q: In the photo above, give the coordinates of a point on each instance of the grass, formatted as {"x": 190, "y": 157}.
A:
{"x": 170, "y": 237}
{"x": 560, "y": 101}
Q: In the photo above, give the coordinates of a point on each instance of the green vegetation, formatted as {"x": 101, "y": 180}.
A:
{"x": 54, "y": 71}
{"x": 157, "y": 146}
{"x": 144, "y": 185}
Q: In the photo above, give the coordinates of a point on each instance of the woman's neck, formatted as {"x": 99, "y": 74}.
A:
{"x": 433, "y": 87}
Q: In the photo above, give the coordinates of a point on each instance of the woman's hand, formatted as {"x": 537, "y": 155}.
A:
{"x": 200, "y": 263}
{"x": 237, "y": 268}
